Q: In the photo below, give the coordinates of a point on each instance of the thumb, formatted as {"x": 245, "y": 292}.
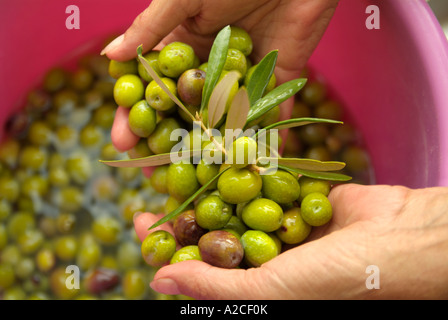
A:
{"x": 202, "y": 281}
{"x": 150, "y": 27}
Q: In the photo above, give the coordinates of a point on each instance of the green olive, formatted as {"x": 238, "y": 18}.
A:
{"x": 39, "y": 133}
{"x": 9, "y": 152}
{"x": 91, "y": 136}
{"x": 66, "y": 247}
{"x": 205, "y": 172}
{"x": 259, "y": 247}
{"x": 142, "y": 119}
{"x": 186, "y": 253}
{"x": 7, "y": 276}
{"x": 236, "y": 60}
{"x": 158, "y": 179}
{"x": 55, "y": 79}
{"x": 239, "y": 185}
{"x": 88, "y": 256}
{"x": 58, "y": 284}
{"x": 33, "y": 157}
{"x": 157, "y": 98}
{"x": 81, "y": 79}
{"x": 107, "y": 230}
{"x": 153, "y": 59}
{"x": 243, "y": 152}
{"x": 181, "y": 180}
{"x": 175, "y": 58}
{"x": 19, "y": 223}
{"x": 104, "y": 115}
{"x": 159, "y": 141}
{"x": 30, "y": 241}
{"x": 35, "y": 184}
{"x": 158, "y": 248}
{"x": 241, "y": 40}
{"x": 213, "y": 213}
{"x": 309, "y": 185}
{"x": 134, "y": 284}
{"x": 9, "y": 189}
{"x": 120, "y": 68}
{"x": 293, "y": 229}
{"x": 316, "y": 209}
{"x": 128, "y": 90}
{"x": 280, "y": 186}
{"x": 262, "y": 214}
{"x": 45, "y": 259}
{"x": 3, "y": 237}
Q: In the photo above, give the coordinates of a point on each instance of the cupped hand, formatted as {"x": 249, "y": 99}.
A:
{"x": 401, "y": 231}
{"x": 294, "y": 27}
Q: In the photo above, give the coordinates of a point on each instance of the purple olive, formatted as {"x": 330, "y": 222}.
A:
{"x": 190, "y": 85}
{"x": 186, "y": 230}
{"x": 221, "y": 249}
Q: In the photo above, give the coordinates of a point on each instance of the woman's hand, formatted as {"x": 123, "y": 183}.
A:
{"x": 294, "y": 27}
{"x": 403, "y": 232}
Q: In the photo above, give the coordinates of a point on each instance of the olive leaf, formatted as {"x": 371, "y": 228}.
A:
{"x": 182, "y": 207}
{"x": 220, "y": 96}
{"x": 261, "y": 75}
{"x": 216, "y": 61}
{"x": 296, "y": 122}
{"x": 274, "y": 98}
{"x": 305, "y": 164}
{"x": 162, "y": 85}
{"x": 239, "y": 108}
{"x": 333, "y": 176}
{"x": 154, "y": 160}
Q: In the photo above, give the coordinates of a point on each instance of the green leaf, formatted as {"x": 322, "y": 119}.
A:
{"x": 305, "y": 164}
{"x": 159, "y": 81}
{"x": 216, "y": 61}
{"x": 220, "y": 96}
{"x": 296, "y": 122}
{"x": 274, "y": 98}
{"x": 182, "y": 207}
{"x": 151, "y": 161}
{"x": 261, "y": 76}
{"x": 236, "y": 116}
{"x": 333, "y": 176}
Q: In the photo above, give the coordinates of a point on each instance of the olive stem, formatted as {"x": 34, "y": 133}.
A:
{"x": 212, "y": 139}
{"x": 256, "y": 168}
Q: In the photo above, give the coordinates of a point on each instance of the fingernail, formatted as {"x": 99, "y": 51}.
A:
{"x": 136, "y": 215}
{"x": 114, "y": 44}
{"x": 165, "y": 286}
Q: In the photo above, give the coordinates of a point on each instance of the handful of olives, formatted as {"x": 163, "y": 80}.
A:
{"x": 227, "y": 209}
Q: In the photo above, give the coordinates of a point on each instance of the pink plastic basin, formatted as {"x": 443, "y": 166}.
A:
{"x": 393, "y": 80}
